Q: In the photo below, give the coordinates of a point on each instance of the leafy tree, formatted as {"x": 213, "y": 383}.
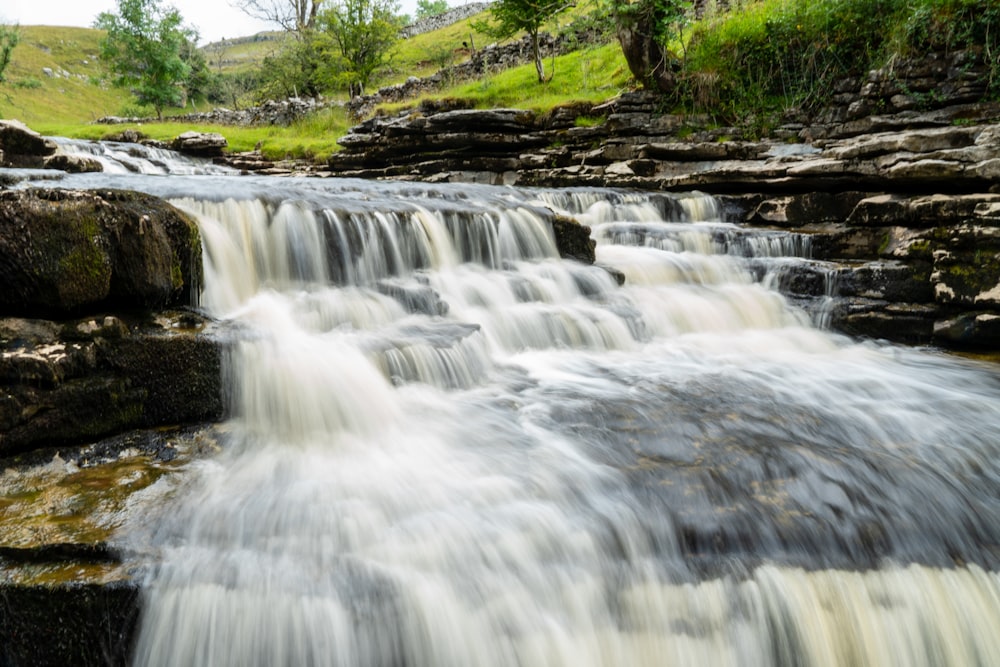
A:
{"x": 294, "y": 70}
{"x": 428, "y": 8}
{"x": 201, "y": 80}
{"x": 512, "y": 16}
{"x": 357, "y": 37}
{"x": 293, "y": 15}
{"x": 142, "y": 50}
{"x": 9, "y": 38}
{"x": 644, "y": 29}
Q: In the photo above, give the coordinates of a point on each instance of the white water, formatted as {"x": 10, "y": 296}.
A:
{"x": 449, "y": 447}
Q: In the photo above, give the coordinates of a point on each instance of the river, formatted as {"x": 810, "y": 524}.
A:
{"x": 447, "y": 446}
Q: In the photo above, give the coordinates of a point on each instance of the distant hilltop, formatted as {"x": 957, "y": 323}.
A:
{"x": 429, "y": 24}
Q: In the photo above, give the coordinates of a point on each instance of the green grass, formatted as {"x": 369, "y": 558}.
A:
{"x": 423, "y": 55}
{"x": 768, "y": 55}
{"x": 313, "y": 138}
{"x": 33, "y": 97}
{"x": 592, "y": 74}
{"x": 237, "y": 55}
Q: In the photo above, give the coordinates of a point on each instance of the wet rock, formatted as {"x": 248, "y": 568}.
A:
{"x": 974, "y": 330}
{"x": 78, "y": 381}
{"x": 67, "y": 252}
{"x": 70, "y": 597}
{"x": 573, "y": 239}
{"x": 21, "y": 146}
{"x": 889, "y": 281}
{"x": 74, "y": 164}
{"x": 68, "y": 624}
{"x": 897, "y": 322}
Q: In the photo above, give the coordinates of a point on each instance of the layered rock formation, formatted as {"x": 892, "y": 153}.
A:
{"x": 899, "y": 206}
{"x": 111, "y": 361}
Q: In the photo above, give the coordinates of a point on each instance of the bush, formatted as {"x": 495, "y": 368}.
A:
{"x": 771, "y": 55}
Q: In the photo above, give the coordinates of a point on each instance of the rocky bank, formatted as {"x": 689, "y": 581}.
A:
{"x": 97, "y": 345}
{"x": 895, "y": 186}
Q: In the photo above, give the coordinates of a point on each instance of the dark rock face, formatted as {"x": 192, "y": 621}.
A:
{"x": 63, "y": 252}
{"x": 78, "y": 624}
{"x": 73, "y": 382}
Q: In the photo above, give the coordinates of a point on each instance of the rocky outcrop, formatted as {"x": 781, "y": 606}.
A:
{"x": 66, "y": 383}
{"x": 900, "y": 206}
{"x": 65, "y": 252}
{"x": 70, "y": 596}
{"x": 21, "y": 146}
{"x": 200, "y": 144}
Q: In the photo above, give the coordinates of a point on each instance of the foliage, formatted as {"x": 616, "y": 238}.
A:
{"x": 770, "y": 55}
{"x": 292, "y": 15}
{"x": 423, "y": 55}
{"x": 295, "y": 70}
{"x": 509, "y": 17}
{"x": 593, "y": 74}
{"x": 428, "y": 8}
{"x": 355, "y": 38}
{"x": 645, "y": 29}
{"x": 201, "y": 80}
{"x": 142, "y": 50}
{"x": 9, "y": 38}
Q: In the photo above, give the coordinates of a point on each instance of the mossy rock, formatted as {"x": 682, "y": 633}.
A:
{"x": 65, "y": 253}
{"x": 95, "y": 378}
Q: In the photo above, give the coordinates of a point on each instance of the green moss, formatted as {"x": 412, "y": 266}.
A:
{"x": 883, "y": 244}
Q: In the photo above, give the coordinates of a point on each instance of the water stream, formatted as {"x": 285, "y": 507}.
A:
{"x": 450, "y": 447}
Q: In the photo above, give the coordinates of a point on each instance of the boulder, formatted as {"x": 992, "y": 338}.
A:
{"x": 64, "y": 252}
{"x": 74, "y": 164}
{"x": 21, "y": 146}
{"x": 200, "y": 144}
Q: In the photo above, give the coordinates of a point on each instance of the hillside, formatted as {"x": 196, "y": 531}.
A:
{"x": 55, "y": 78}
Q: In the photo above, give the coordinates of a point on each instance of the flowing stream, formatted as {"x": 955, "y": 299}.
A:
{"x": 450, "y": 447}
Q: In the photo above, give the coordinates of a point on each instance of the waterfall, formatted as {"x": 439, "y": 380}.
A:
{"x": 450, "y": 447}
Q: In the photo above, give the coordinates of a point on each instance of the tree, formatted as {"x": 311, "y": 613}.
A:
{"x": 292, "y": 15}
{"x": 142, "y": 50}
{"x": 200, "y": 80}
{"x": 9, "y": 38}
{"x": 512, "y": 16}
{"x": 428, "y": 8}
{"x": 644, "y": 29}
{"x": 359, "y": 36}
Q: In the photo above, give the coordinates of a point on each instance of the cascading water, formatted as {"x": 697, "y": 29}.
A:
{"x": 449, "y": 447}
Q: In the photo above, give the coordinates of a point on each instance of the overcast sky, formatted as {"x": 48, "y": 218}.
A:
{"x": 214, "y": 19}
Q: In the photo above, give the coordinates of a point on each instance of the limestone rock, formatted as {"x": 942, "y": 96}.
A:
{"x": 21, "y": 146}
{"x": 200, "y": 144}
{"x": 74, "y": 164}
{"x": 74, "y": 382}
{"x": 68, "y": 252}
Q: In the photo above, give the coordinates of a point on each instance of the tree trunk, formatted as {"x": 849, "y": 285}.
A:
{"x": 647, "y": 59}
{"x": 536, "y": 52}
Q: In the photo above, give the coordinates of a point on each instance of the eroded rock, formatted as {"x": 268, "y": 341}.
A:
{"x": 65, "y": 252}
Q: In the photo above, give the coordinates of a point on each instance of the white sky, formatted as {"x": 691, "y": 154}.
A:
{"x": 214, "y": 19}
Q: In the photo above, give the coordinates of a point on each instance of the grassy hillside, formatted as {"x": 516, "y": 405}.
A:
{"x": 243, "y": 53}
{"x": 66, "y": 102}
{"x": 73, "y": 92}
